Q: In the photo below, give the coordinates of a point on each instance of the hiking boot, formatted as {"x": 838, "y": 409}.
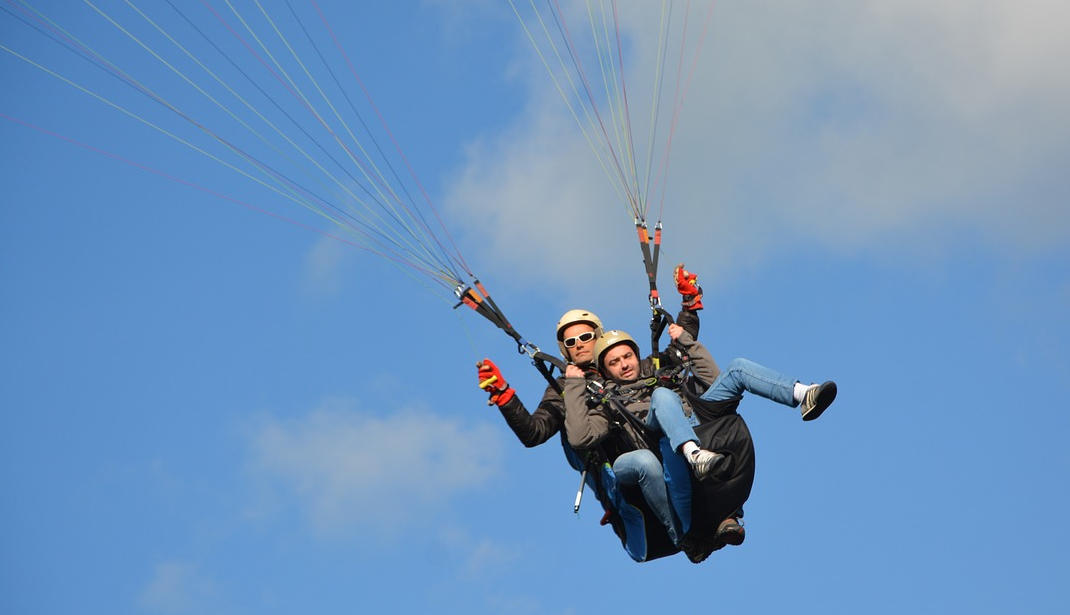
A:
{"x": 731, "y": 532}
{"x": 697, "y": 550}
{"x": 692, "y": 549}
{"x": 818, "y": 397}
{"x": 705, "y": 463}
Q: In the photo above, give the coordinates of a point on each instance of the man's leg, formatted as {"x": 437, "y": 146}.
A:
{"x": 745, "y": 375}
{"x": 667, "y": 416}
{"x": 643, "y": 468}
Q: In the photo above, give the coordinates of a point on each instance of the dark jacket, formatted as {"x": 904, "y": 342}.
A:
{"x": 534, "y": 428}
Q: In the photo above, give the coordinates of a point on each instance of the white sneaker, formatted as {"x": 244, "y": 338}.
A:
{"x": 706, "y": 463}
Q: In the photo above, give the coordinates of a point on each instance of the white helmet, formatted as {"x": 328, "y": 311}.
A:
{"x": 572, "y": 317}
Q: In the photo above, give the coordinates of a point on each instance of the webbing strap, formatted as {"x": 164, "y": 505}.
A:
{"x": 477, "y": 298}
{"x": 540, "y": 361}
{"x": 650, "y": 257}
{"x": 613, "y": 402}
{"x": 667, "y": 377}
{"x": 659, "y": 318}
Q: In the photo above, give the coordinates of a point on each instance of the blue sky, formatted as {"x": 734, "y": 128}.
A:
{"x": 209, "y": 410}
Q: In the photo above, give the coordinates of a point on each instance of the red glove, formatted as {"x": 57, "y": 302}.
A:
{"x": 688, "y": 288}
{"x": 491, "y": 381}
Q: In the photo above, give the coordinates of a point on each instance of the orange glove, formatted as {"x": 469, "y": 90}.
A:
{"x": 688, "y": 288}
{"x": 491, "y": 381}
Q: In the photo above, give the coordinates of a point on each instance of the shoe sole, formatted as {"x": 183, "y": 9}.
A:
{"x": 732, "y": 537}
{"x": 825, "y": 397}
{"x": 698, "y": 553}
{"x": 701, "y": 557}
{"x": 732, "y": 534}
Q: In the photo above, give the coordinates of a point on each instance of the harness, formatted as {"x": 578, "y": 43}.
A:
{"x": 615, "y": 398}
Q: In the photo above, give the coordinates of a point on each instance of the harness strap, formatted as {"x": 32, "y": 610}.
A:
{"x": 650, "y": 258}
{"x": 477, "y": 298}
{"x": 667, "y": 375}
{"x": 600, "y": 394}
{"x": 659, "y": 318}
{"x": 545, "y": 364}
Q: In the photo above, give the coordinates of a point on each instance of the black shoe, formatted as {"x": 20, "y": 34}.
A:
{"x": 698, "y": 550}
{"x": 817, "y": 399}
{"x": 731, "y": 532}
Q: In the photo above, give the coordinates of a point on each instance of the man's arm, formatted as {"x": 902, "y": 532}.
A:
{"x": 532, "y": 429}
{"x": 689, "y": 320}
{"x": 702, "y": 363}
{"x": 585, "y": 426}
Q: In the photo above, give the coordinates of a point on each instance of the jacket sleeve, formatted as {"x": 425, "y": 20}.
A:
{"x": 702, "y": 363}
{"x": 585, "y": 426}
{"x": 688, "y": 319}
{"x": 536, "y": 427}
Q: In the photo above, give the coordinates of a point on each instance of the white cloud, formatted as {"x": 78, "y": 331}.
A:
{"x": 480, "y": 558}
{"x": 176, "y": 587}
{"x": 848, "y": 123}
{"x": 323, "y": 263}
{"x": 483, "y": 563}
{"x": 350, "y": 469}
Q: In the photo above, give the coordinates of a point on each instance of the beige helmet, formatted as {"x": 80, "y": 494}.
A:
{"x": 572, "y": 317}
{"x": 610, "y": 339}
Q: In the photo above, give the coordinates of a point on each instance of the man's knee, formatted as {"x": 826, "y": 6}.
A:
{"x": 662, "y": 396}
{"x": 738, "y": 364}
{"x": 647, "y": 461}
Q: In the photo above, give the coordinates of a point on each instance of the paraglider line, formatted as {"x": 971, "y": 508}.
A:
{"x": 397, "y": 147}
{"x": 148, "y": 169}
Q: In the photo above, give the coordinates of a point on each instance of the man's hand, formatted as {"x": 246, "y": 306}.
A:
{"x": 571, "y": 371}
{"x": 674, "y": 331}
{"x": 491, "y": 381}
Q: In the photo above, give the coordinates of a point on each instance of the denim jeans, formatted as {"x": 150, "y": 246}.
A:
{"x": 667, "y": 417}
{"x": 642, "y": 467}
{"x": 745, "y": 375}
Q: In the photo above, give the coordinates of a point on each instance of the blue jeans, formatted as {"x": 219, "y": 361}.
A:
{"x": 745, "y": 375}
{"x": 667, "y": 417}
{"x": 642, "y": 467}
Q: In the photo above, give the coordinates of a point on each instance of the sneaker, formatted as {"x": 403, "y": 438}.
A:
{"x": 705, "y": 463}
{"x": 818, "y": 397}
{"x": 731, "y": 532}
